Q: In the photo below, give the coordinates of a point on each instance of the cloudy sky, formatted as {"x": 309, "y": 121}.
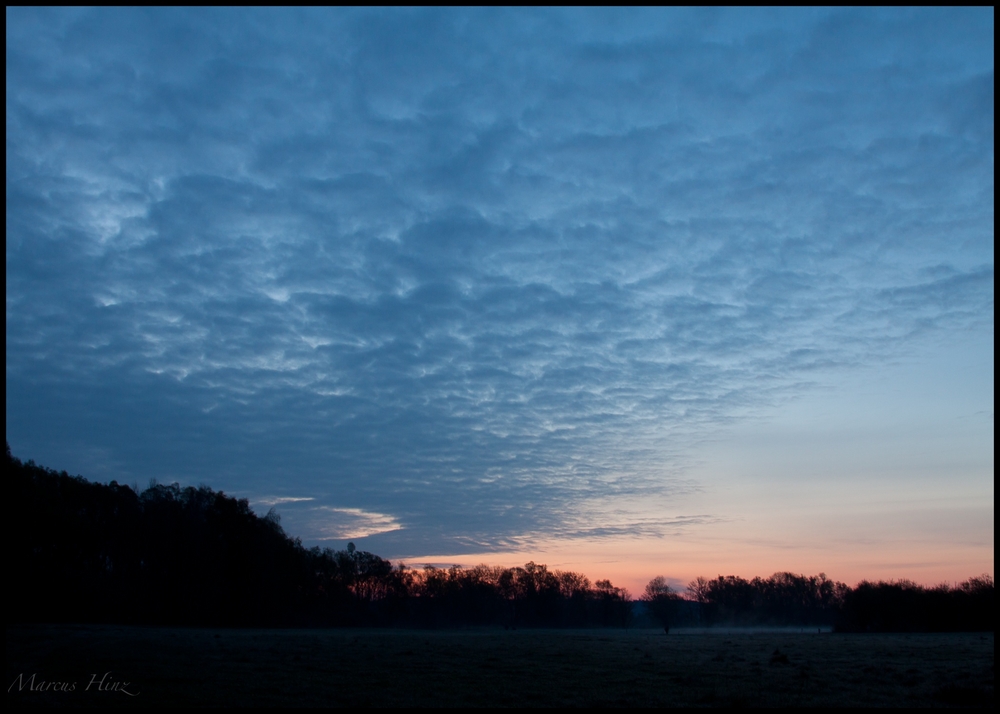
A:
{"x": 626, "y": 292}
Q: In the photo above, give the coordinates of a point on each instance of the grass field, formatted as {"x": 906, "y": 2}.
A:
{"x": 371, "y": 667}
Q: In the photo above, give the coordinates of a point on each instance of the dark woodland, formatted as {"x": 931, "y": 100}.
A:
{"x": 91, "y": 553}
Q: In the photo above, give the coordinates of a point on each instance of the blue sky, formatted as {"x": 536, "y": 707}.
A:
{"x": 518, "y": 283}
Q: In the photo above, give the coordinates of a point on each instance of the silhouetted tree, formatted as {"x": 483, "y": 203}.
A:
{"x": 661, "y": 601}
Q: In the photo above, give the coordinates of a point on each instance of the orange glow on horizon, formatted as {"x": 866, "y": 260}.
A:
{"x": 632, "y": 564}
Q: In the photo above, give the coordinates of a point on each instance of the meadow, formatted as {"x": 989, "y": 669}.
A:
{"x": 88, "y": 665}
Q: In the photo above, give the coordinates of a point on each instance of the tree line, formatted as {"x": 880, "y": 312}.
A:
{"x": 787, "y": 599}
{"x": 88, "y": 552}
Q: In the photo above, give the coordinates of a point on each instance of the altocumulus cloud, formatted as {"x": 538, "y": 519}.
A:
{"x": 464, "y": 276}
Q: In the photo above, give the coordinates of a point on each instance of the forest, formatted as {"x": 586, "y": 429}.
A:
{"x": 87, "y": 552}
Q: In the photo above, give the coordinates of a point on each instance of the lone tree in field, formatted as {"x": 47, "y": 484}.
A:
{"x": 661, "y": 601}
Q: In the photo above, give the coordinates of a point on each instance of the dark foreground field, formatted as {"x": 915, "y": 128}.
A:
{"x": 493, "y": 668}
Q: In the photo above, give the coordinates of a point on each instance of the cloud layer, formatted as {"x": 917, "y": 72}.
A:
{"x": 479, "y": 274}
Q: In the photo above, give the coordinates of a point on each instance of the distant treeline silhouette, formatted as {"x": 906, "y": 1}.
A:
{"x": 896, "y": 606}
{"x": 87, "y": 552}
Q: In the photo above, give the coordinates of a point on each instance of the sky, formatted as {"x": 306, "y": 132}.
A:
{"x": 625, "y": 292}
